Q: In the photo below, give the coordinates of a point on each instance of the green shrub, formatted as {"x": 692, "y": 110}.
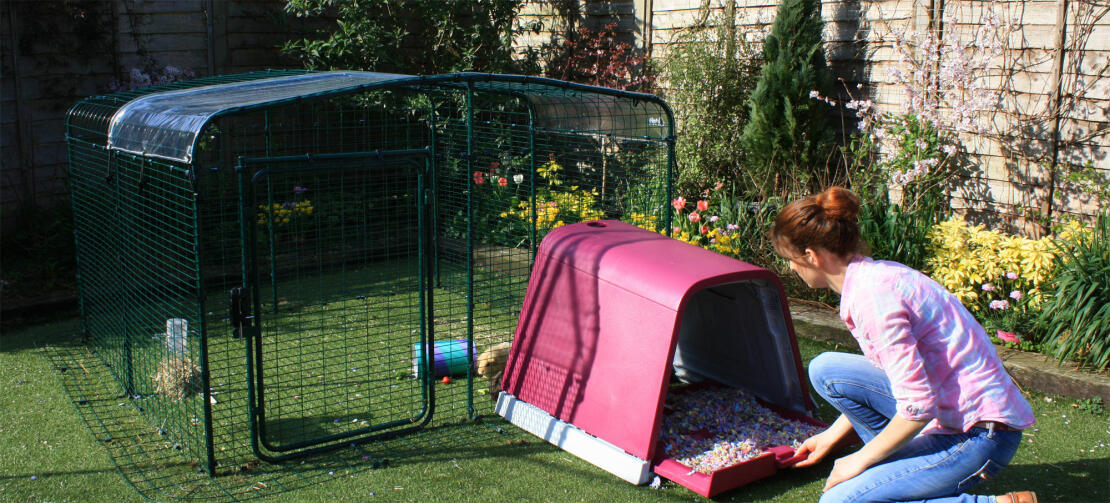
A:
{"x": 405, "y": 36}
{"x": 38, "y": 253}
{"x": 1077, "y": 316}
{"x": 787, "y": 142}
{"x": 710, "y": 74}
{"x": 894, "y": 233}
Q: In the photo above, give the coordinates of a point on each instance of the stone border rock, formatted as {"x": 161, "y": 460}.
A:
{"x": 1031, "y": 371}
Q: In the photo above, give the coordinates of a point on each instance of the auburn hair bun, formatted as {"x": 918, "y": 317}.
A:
{"x": 826, "y": 220}
{"x": 838, "y": 203}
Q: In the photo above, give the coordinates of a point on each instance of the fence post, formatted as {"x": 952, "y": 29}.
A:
{"x": 1054, "y": 104}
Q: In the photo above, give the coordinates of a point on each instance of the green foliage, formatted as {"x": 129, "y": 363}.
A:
{"x": 1077, "y": 316}
{"x": 408, "y": 36}
{"x": 38, "y": 253}
{"x": 894, "y": 233}
{"x": 915, "y": 162}
{"x": 1088, "y": 181}
{"x": 711, "y": 74}
{"x": 787, "y": 141}
{"x": 1092, "y": 405}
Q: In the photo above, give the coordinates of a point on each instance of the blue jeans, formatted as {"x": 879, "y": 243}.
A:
{"x": 936, "y": 468}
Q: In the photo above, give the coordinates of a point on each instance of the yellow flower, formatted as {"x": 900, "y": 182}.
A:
{"x": 965, "y": 257}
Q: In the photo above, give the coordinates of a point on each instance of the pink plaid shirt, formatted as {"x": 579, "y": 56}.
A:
{"x": 941, "y": 364}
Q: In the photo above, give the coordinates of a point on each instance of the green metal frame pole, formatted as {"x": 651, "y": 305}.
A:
{"x": 670, "y": 184}
{"x": 206, "y": 376}
{"x": 532, "y": 181}
{"x": 470, "y": 201}
{"x": 124, "y": 284}
{"x": 427, "y": 295}
{"x": 432, "y": 171}
{"x": 248, "y": 248}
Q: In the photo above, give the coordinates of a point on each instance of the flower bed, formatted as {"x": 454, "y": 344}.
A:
{"x": 1000, "y": 278}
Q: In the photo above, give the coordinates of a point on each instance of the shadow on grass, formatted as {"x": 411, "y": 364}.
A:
{"x": 154, "y": 466}
{"x": 1074, "y": 481}
{"x": 24, "y": 476}
{"x": 62, "y": 331}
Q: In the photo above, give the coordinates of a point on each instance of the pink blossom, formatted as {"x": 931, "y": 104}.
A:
{"x": 679, "y": 203}
{"x": 1009, "y": 337}
{"x": 987, "y": 287}
{"x": 1000, "y": 304}
{"x": 694, "y": 217}
{"x": 1016, "y": 295}
{"x": 1012, "y": 275}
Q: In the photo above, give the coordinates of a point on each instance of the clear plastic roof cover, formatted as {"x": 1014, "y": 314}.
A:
{"x": 166, "y": 124}
{"x": 601, "y": 113}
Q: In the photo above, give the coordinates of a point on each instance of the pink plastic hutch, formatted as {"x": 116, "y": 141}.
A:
{"x": 611, "y": 313}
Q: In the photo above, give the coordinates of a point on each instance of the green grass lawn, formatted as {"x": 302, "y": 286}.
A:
{"x": 53, "y": 449}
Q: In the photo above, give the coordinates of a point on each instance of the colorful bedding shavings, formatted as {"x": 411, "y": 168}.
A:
{"x": 713, "y": 428}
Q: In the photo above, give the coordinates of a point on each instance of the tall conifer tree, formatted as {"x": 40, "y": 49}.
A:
{"x": 788, "y": 131}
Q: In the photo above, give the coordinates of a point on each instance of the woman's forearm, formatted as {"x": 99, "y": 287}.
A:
{"x": 897, "y": 433}
{"x": 841, "y": 429}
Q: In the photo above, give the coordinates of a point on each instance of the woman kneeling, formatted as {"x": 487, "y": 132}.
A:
{"x": 936, "y": 410}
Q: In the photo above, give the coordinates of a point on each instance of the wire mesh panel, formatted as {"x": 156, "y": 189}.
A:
{"x": 503, "y": 182}
{"x": 140, "y": 291}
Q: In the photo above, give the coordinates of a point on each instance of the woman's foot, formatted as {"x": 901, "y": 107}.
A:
{"x": 1018, "y": 497}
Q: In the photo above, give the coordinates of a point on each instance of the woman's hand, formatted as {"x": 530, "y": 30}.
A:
{"x": 845, "y": 468}
{"x": 815, "y": 448}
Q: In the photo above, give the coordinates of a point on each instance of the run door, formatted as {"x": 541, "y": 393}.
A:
{"x": 334, "y": 298}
